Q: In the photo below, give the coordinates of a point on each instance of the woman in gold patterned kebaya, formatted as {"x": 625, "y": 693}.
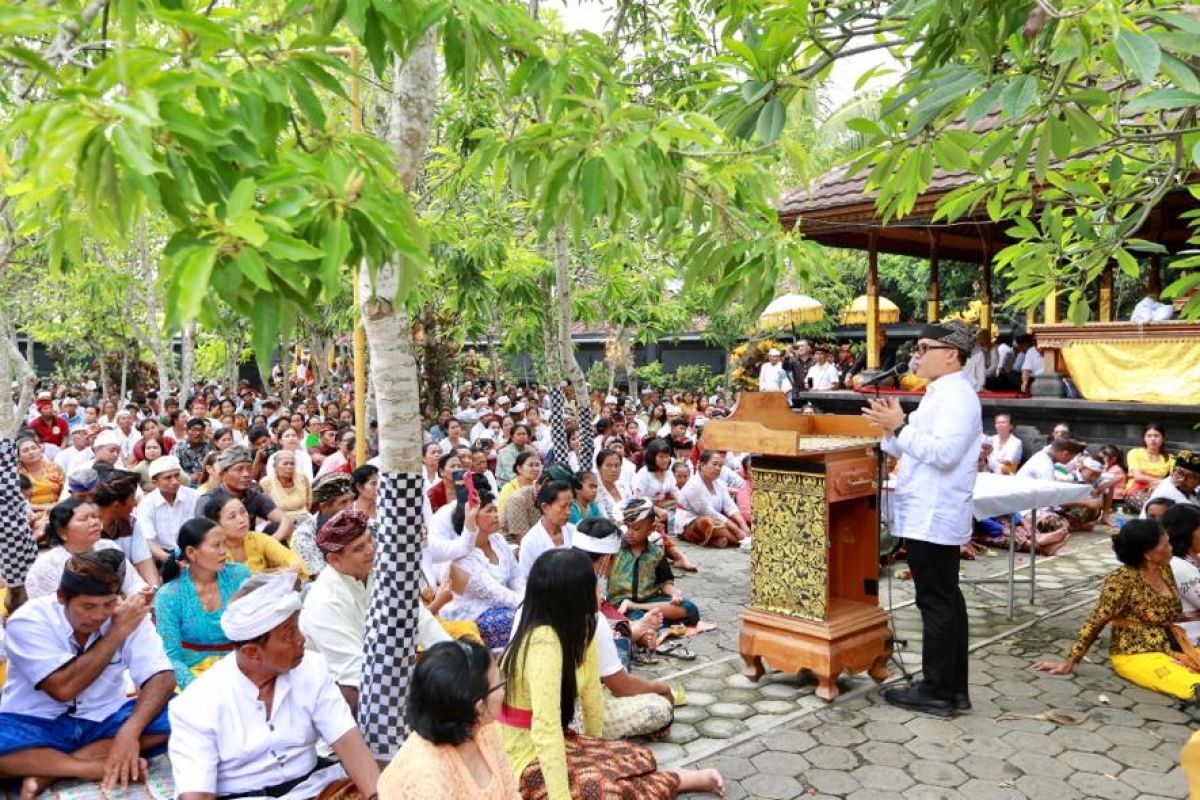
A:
{"x": 1141, "y": 601}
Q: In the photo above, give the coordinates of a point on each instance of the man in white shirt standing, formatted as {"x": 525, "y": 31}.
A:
{"x": 162, "y": 513}
{"x": 1006, "y": 448}
{"x": 938, "y": 448}
{"x": 249, "y": 725}
{"x": 771, "y": 375}
{"x": 823, "y": 374}
{"x": 64, "y": 713}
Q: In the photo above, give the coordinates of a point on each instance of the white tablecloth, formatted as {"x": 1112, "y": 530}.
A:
{"x": 996, "y": 495}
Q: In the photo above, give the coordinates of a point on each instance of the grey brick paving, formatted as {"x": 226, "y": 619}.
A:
{"x": 774, "y": 739}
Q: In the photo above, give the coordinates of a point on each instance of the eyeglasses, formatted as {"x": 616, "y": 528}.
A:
{"x": 922, "y": 348}
{"x": 497, "y": 687}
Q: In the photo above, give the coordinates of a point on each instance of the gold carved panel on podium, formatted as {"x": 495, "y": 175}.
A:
{"x": 788, "y": 563}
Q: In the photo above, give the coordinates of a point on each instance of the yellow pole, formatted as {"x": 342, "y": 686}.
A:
{"x": 873, "y": 353}
{"x": 985, "y": 307}
{"x": 1106, "y": 294}
{"x": 933, "y": 310}
{"x": 360, "y": 333}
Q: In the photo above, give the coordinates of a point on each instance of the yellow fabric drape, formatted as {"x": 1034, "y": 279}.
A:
{"x": 1145, "y": 372}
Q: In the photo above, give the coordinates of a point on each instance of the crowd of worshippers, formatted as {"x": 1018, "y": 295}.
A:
{"x": 1004, "y": 363}
{"x": 1143, "y": 482}
{"x": 206, "y": 593}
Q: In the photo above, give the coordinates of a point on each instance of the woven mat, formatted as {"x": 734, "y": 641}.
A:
{"x": 158, "y": 787}
{"x": 817, "y": 444}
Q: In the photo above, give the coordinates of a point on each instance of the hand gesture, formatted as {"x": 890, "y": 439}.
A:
{"x": 887, "y": 415}
{"x": 131, "y": 611}
{"x": 1055, "y": 667}
{"x": 677, "y": 598}
{"x": 470, "y": 521}
{"x": 124, "y": 762}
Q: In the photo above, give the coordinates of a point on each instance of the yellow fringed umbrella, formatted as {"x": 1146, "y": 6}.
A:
{"x": 790, "y": 310}
{"x": 856, "y": 312}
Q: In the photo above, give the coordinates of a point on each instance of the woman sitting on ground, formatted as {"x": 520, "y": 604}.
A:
{"x": 1142, "y": 602}
{"x": 707, "y": 515}
{"x": 655, "y": 482}
{"x": 551, "y": 663}
{"x": 585, "y": 486}
{"x": 442, "y": 492}
{"x": 73, "y": 527}
{"x": 1149, "y": 465}
{"x": 640, "y": 579}
{"x": 366, "y": 493}
{"x": 1182, "y": 523}
{"x": 491, "y": 586}
{"x": 145, "y": 451}
{"x": 45, "y": 476}
{"x": 197, "y": 585}
{"x": 258, "y": 551}
{"x": 288, "y": 487}
{"x": 454, "y": 751}
{"x": 528, "y": 466}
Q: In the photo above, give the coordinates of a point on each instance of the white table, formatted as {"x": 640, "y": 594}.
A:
{"x": 1000, "y": 495}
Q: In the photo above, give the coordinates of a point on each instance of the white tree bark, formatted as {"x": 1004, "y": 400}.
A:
{"x": 144, "y": 321}
{"x": 562, "y": 269}
{"x": 187, "y": 361}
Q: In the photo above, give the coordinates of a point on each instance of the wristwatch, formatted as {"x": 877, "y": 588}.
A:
{"x": 902, "y": 426}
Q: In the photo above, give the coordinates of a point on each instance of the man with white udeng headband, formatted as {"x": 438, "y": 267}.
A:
{"x": 248, "y": 727}
{"x": 938, "y": 448}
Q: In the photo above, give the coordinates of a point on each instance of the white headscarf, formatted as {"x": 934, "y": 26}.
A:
{"x": 262, "y": 609}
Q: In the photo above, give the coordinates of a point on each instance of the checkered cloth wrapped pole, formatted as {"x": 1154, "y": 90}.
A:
{"x": 558, "y": 426}
{"x": 390, "y": 643}
{"x": 587, "y": 431}
{"x": 17, "y": 548}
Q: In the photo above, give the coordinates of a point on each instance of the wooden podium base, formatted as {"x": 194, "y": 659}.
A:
{"x": 853, "y": 637}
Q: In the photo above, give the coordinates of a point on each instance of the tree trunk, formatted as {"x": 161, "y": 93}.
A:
{"x": 104, "y": 387}
{"x": 124, "y": 376}
{"x": 285, "y": 369}
{"x": 392, "y": 616}
{"x": 187, "y": 361}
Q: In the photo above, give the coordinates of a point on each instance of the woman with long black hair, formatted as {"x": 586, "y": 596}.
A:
{"x": 550, "y": 662}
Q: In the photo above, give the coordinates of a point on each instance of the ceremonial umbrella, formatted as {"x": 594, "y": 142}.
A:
{"x": 856, "y": 312}
{"x": 791, "y": 310}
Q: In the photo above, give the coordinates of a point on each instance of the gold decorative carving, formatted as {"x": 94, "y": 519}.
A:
{"x": 788, "y": 563}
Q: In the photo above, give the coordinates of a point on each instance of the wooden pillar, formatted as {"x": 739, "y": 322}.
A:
{"x": 1105, "y": 303}
{"x": 873, "y": 354}
{"x": 1154, "y": 280}
{"x": 933, "y": 311}
{"x": 985, "y": 287}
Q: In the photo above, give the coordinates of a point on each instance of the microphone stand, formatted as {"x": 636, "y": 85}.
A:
{"x": 888, "y": 561}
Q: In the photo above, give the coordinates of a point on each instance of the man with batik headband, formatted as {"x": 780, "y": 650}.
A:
{"x": 1182, "y": 483}
{"x": 938, "y": 447}
{"x": 330, "y": 494}
{"x": 64, "y": 713}
{"x": 334, "y": 617}
{"x": 249, "y": 726}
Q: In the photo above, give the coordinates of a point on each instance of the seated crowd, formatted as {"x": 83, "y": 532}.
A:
{"x": 210, "y": 599}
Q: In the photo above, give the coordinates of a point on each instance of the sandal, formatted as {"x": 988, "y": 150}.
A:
{"x": 644, "y": 657}
{"x": 677, "y": 649}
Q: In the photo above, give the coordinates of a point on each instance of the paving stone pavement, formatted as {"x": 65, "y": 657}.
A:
{"x": 776, "y": 739}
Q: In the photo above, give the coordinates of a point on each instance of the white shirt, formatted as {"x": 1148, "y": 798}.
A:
{"x": 41, "y": 642}
{"x": 159, "y": 521}
{"x": 1187, "y": 578}
{"x": 976, "y": 368}
{"x": 499, "y": 585}
{"x": 697, "y": 501}
{"x": 1034, "y": 364}
{"x": 222, "y": 742}
{"x": 824, "y": 377}
{"x": 304, "y": 465}
{"x": 1009, "y": 451}
{"x": 334, "y": 621}
{"x": 1040, "y": 466}
{"x": 939, "y": 453}
{"x": 128, "y": 440}
{"x": 773, "y": 378}
{"x": 1167, "y": 488}
{"x": 538, "y": 541}
{"x": 1004, "y": 360}
{"x": 46, "y": 573}
{"x": 647, "y": 484}
{"x": 69, "y": 458}
{"x": 446, "y": 445}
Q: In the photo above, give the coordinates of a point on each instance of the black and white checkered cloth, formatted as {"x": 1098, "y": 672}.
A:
{"x": 390, "y": 643}
{"x": 558, "y": 426}
{"x": 18, "y": 551}
{"x": 587, "y": 431}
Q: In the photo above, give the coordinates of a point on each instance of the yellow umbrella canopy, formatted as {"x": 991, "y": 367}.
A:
{"x": 790, "y": 310}
{"x": 856, "y": 312}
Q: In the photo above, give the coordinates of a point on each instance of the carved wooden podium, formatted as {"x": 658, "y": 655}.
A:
{"x": 814, "y": 566}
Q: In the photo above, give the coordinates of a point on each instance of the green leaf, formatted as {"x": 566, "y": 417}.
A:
{"x": 1060, "y": 138}
{"x": 1018, "y": 96}
{"x": 289, "y": 248}
{"x": 1140, "y": 54}
{"x": 1161, "y": 99}
{"x": 770, "y": 120}
{"x": 1127, "y": 263}
{"x": 1180, "y": 73}
{"x": 753, "y": 91}
{"x": 241, "y": 199}
{"x": 336, "y": 245}
{"x": 253, "y": 268}
{"x": 195, "y": 272}
{"x": 264, "y": 327}
{"x": 950, "y": 155}
{"x": 134, "y": 154}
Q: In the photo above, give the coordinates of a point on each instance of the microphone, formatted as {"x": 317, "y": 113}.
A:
{"x": 894, "y": 372}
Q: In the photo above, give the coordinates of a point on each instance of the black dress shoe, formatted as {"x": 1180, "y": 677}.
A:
{"x": 961, "y": 701}
{"x": 915, "y": 698}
